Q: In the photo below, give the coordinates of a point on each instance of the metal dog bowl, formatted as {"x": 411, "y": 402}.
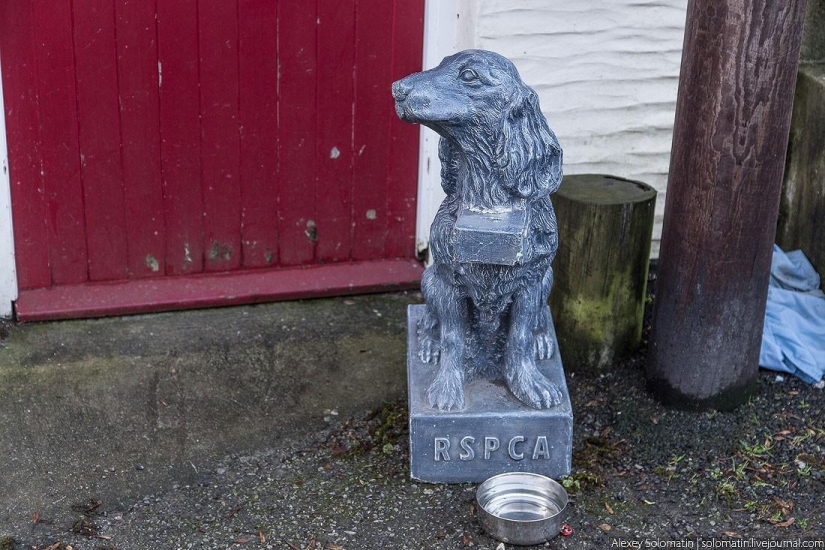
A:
{"x": 521, "y": 508}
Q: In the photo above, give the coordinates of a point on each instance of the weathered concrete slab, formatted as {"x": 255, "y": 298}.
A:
{"x": 113, "y": 409}
{"x": 495, "y": 433}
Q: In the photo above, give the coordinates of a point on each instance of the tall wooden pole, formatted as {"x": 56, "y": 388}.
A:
{"x": 733, "y": 116}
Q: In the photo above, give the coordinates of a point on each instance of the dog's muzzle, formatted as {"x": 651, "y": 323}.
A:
{"x": 401, "y": 89}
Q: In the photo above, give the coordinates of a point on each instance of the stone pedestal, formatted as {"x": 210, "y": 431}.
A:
{"x": 495, "y": 433}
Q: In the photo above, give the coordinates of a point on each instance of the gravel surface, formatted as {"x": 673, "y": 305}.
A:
{"x": 640, "y": 471}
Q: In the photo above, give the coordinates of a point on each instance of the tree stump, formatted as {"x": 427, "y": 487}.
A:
{"x": 598, "y": 298}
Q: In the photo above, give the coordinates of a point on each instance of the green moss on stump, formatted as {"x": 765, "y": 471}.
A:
{"x": 605, "y": 227}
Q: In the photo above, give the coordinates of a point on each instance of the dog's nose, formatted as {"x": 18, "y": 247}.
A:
{"x": 400, "y": 90}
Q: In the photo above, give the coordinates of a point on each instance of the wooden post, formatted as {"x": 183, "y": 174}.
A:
{"x": 730, "y": 137}
{"x": 598, "y": 297}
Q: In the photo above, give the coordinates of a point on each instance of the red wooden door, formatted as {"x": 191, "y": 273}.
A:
{"x": 171, "y": 153}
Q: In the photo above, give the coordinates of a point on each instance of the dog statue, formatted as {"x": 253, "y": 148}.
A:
{"x": 494, "y": 236}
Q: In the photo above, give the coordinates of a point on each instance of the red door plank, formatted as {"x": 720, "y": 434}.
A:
{"x": 59, "y": 139}
{"x": 402, "y": 177}
{"x": 219, "y": 134}
{"x": 297, "y": 22}
{"x": 180, "y": 134}
{"x": 99, "y": 131}
{"x": 30, "y": 215}
{"x": 258, "y": 78}
{"x": 336, "y": 52}
{"x": 373, "y": 42}
{"x": 137, "y": 63}
{"x": 217, "y": 289}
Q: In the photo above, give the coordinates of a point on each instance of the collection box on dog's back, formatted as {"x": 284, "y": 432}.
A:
{"x": 493, "y": 434}
{"x": 497, "y": 237}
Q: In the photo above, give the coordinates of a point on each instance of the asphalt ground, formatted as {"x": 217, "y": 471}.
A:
{"x": 284, "y": 426}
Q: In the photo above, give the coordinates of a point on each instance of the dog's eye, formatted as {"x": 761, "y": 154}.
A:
{"x": 468, "y": 75}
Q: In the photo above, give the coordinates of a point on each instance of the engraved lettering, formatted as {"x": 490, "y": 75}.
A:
{"x": 468, "y": 453}
{"x": 542, "y": 450}
{"x": 491, "y": 444}
{"x": 442, "y": 448}
{"x": 511, "y": 448}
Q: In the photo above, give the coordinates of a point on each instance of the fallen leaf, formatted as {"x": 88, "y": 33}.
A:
{"x": 733, "y": 535}
{"x": 605, "y": 527}
{"x": 793, "y": 393}
{"x": 93, "y": 505}
{"x": 55, "y": 546}
{"x": 647, "y": 501}
{"x": 608, "y": 508}
{"x": 472, "y": 509}
{"x": 262, "y": 536}
{"x": 786, "y": 505}
{"x": 243, "y": 540}
{"x": 85, "y": 528}
{"x": 293, "y": 546}
{"x": 466, "y": 540}
{"x": 787, "y": 523}
{"x": 234, "y": 511}
{"x": 440, "y": 534}
{"x": 36, "y": 518}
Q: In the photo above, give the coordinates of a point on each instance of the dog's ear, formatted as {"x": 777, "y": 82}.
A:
{"x": 528, "y": 154}
{"x": 448, "y": 155}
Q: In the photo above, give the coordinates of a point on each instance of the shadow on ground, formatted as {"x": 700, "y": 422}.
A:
{"x": 284, "y": 426}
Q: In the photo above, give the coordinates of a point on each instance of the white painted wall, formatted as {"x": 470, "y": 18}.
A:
{"x": 8, "y": 277}
{"x": 449, "y": 26}
{"x": 606, "y": 72}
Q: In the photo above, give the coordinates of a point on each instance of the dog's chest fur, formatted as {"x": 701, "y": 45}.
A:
{"x": 491, "y": 286}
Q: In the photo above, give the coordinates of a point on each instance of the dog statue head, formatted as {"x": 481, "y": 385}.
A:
{"x": 491, "y": 125}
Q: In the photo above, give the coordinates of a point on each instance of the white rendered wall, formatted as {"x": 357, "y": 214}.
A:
{"x": 606, "y": 72}
{"x": 449, "y": 26}
{"x": 8, "y": 278}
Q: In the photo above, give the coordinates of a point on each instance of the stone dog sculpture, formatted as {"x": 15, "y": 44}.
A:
{"x": 494, "y": 236}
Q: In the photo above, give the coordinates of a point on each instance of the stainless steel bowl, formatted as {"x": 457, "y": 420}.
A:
{"x": 521, "y": 508}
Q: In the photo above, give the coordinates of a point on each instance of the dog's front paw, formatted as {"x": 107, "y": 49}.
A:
{"x": 429, "y": 349}
{"x": 446, "y": 393}
{"x": 544, "y": 346}
{"x": 535, "y": 390}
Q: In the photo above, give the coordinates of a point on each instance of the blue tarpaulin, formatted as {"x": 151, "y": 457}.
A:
{"x": 793, "y": 339}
